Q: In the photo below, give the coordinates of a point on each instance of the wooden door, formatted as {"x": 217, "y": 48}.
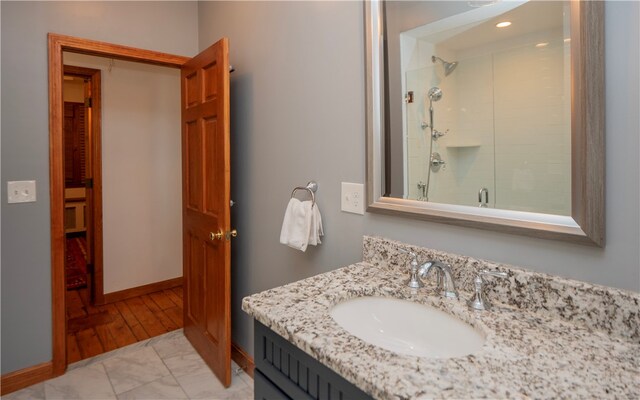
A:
{"x": 205, "y": 215}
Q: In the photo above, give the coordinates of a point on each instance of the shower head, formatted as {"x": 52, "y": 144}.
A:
{"x": 448, "y": 66}
{"x": 435, "y": 93}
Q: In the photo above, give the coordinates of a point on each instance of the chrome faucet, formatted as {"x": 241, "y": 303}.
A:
{"x": 444, "y": 277}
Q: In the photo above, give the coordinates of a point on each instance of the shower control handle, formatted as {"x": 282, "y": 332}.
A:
{"x": 437, "y": 134}
{"x": 436, "y": 162}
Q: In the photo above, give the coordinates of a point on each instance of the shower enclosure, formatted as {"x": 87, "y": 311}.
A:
{"x": 497, "y": 131}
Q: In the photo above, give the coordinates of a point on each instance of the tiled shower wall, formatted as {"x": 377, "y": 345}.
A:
{"x": 533, "y": 132}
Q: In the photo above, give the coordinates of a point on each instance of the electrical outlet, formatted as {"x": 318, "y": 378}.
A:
{"x": 21, "y": 191}
{"x": 353, "y": 198}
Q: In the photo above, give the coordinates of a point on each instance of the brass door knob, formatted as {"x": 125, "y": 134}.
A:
{"x": 216, "y": 236}
{"x": 220, "y": 235}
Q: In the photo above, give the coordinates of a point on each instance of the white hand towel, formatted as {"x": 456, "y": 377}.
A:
{"x": 296, "y": 227}
{"x": 320, "y": 228}
{"x": 316, "y": 226}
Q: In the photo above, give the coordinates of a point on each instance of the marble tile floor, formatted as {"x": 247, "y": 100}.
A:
{"x": 164, "y": 367}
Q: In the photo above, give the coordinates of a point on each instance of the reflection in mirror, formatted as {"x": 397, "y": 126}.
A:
{"x": 488, "y": 114}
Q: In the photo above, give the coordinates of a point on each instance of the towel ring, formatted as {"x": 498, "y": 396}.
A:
{"x": 311, "y": 187}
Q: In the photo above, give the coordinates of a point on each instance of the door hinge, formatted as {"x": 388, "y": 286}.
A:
{"x": 88, "y": 183}
{"x": 88, "y": 102}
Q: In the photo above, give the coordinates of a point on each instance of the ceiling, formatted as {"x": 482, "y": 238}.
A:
{"x": 531, "y": 17}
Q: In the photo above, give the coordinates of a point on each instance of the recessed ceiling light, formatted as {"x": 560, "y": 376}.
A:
{"x": 544, "y": 44}
{"x": 503, "y": 24}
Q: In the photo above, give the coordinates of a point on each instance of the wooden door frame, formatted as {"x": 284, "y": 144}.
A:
{"x": 94, "y": 148}
{"x": 57, "y": 44}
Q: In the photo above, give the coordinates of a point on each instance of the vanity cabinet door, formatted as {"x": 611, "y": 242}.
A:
{"x": 265, "y": 390}
{"x": 298, "y": 375}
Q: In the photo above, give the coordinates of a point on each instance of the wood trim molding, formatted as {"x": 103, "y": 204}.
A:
{"x": 96, "y": 192}
{"x": 244, "y": 360}
{"x": 25, "y": 377}
{"x": 142, "y": 290}
{"x": 56, "y": 192}
{"x": 79, "y": 71}
{"x": 56, "y": 45}
{"x": 120, "y": 52}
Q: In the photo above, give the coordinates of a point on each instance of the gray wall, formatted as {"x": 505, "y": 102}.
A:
{"x": 26, "y": 260}
{"x": 297, "y": 113}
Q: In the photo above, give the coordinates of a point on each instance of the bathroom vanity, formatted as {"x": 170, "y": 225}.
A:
{"x": 545, "y": 337}
{"x": 283, "y": 371}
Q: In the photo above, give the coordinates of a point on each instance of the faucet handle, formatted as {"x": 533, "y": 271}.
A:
{"x": 414, "y": 281}
{"x": 497, "y": 274}
{"x": 411, "y": 253}
{"x": 414, "y": 256}
{"x": 479, "y": 300}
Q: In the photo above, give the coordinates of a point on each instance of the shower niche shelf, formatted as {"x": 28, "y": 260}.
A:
{"x": 462, "y": 145}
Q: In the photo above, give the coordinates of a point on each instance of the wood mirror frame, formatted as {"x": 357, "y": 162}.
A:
{"x": 586, "y": 225}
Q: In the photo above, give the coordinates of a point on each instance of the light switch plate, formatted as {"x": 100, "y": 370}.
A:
{"x": 353, "y": 198}
{"x": 21, "y": 191}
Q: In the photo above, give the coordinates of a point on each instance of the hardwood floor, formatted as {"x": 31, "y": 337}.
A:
{"x": 93, "y": 330}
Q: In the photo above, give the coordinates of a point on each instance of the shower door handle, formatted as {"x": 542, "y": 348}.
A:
{"x": 484, "y": 203}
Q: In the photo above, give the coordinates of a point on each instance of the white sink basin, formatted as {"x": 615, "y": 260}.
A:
{"x": 407, "y": 328}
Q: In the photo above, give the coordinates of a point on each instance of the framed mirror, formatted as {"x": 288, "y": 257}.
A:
{"x": 488, "y": 114}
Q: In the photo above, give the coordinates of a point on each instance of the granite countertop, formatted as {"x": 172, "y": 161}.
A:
{"x": 526, "y": 354}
